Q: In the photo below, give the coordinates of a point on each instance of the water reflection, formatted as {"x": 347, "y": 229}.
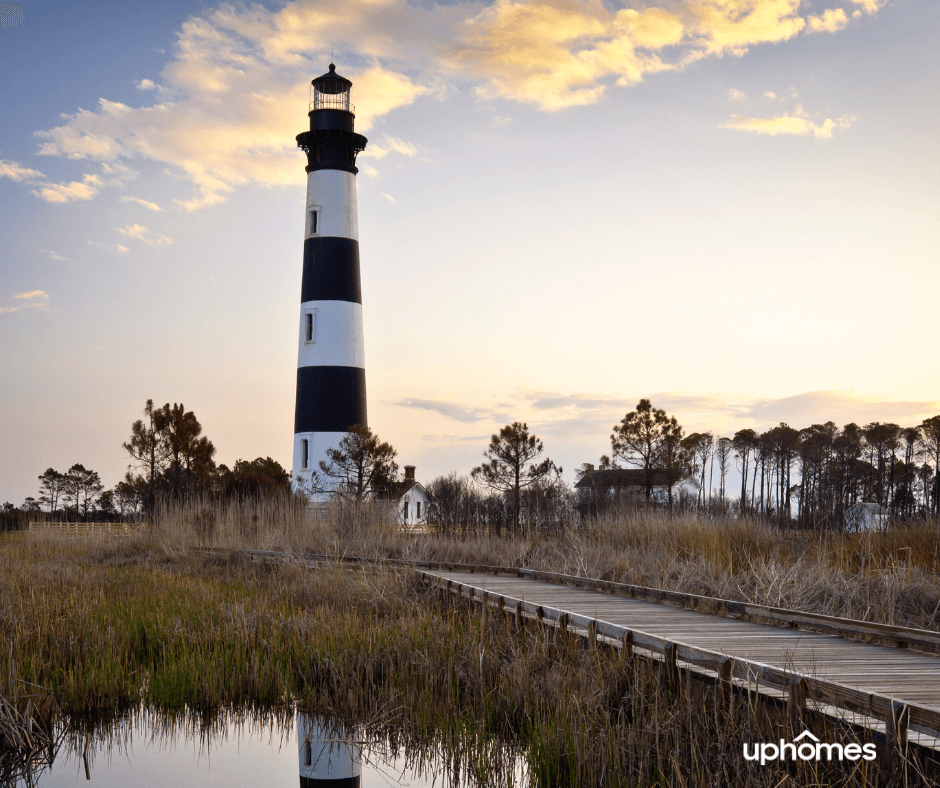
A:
{"x": 250, "y": 749}
{"x": 327, "y": 759}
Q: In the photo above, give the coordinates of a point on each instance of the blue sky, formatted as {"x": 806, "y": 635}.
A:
{"x": 728, "y": 206}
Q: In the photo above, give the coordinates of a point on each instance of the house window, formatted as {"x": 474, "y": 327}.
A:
{"x": 308, "y": 750}
{"x": 417, "y": 510}
{"x": 308, "y": 327}
{"x": 304, "y": 453}
{"x": 313, "y": 222}
{"x": 406, "y": 511}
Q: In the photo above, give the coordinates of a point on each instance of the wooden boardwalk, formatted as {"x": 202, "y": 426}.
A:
{"x": 860, "y": 679}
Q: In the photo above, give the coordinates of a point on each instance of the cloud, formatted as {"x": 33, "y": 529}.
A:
{"x": 17, "y": 172}
{"x": 116, "y": 248}
{"x": 234, "y": 95}
{"x": 551, "y": 400}
{"x": 734, "y": 26}
{"x": 388, "y": 197}
{"x": 832, "y": 21}
{"x": 770, "y": 94}
{"x": 34, "y": 299}
{"x": 869, "y": 6}
{"x": 736, "y": 95}
{"x": 797, "y": 124}
{"x": 453, "y": 410}
{"x": 813, "y": 407}
{"x": 141, "y": 233}
{"x": 228, "y": 103}
{"x": 88, "y": 187}
{"x": 388, "y": 145}
{"x": 54, "y": 255}
{"x": 150, "y": 206}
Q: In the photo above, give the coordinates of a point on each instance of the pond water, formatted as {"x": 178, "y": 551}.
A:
{"x": 236, "y": 751}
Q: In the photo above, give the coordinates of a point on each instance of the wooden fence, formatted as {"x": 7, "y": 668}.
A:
{"x": 86, "y": 529}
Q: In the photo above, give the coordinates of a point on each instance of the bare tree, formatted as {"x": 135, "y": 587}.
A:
{"x": 148, "y": 450}
{"x": 723, "y": 448}
{"x": 930, "y": 430}
{"x": 508, "y": 455}
{"x": 642, "y": 437}
{"x": 744, "y": 442}
{"x": 361, "y": 466}
{"x": 701, "y": 445}
{"x": 50, "y": 487}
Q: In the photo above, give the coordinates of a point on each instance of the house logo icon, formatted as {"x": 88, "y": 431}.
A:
{"x": 807, "y": 747}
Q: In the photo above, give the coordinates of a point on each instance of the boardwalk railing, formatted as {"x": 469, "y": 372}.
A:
{"x": 86, "y": 529}
{"x": 843, "y": 627}
{"x": 798, "y": 687}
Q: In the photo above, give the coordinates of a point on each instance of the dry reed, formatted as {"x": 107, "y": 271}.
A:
{"x": 111, "y": 624}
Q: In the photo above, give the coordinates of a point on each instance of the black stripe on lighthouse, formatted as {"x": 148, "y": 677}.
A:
{"x": 330, "y": 399}
{"x": 331, "y": 270}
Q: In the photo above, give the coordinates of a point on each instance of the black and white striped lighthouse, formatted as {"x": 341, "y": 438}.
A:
{"x": 331, "y": 376}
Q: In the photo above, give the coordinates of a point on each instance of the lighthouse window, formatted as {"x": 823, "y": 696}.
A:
{"x": 417, "y": 510}
{"x": 406, "y": 511}
{"x": 308, "y": 327}
{"x": 313, "y": 222}
{"x": 308, "y": 754}
{"x": 304, "y": 453}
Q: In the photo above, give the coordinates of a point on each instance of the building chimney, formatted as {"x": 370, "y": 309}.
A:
{"x": 590, "y": 469}
{"x": 409, "y": 473}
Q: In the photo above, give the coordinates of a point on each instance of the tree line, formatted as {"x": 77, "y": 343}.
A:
{"x": 170, "y": 458}
{"x": 812, "y": 476}
{"x": 808, "y": 477}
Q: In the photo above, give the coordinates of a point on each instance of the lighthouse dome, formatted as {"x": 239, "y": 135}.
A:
{"x": 331, "y": 82}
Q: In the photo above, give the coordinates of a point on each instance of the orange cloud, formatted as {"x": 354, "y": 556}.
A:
{"x": 832, "y": 21}
{"x": 141, "y": 233}
{"x": 34, "y": 299}
{"x": 228, "y": 104}
{"x": 797, "y": 124}
{"x": 17, "y": 172}
{"x": 85, "y": 189}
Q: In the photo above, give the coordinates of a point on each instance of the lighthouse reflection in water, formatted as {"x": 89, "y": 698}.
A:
{"x": 327, "y": 760}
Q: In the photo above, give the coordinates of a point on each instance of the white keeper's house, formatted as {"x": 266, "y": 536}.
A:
{"x": 409, "y": 498}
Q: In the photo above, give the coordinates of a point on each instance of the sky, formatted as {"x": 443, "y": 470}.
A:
{"x": 726, "y": 206}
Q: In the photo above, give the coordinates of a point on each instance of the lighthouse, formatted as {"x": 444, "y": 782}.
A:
{"x": 331, "y": 376}
{"x": 327, "y": 760}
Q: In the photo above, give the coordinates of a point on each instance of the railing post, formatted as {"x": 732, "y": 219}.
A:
{"x": 626, "y": 641}
{"x": 796, "y": 702}
{"x": 724, "y": 680}
{"x": 896, "y": 739}
{"x": 592, "y": 635}
{"x": 672, "y": 666}
{"x": 520, "y": 619}
{"x": 563, "y": 628}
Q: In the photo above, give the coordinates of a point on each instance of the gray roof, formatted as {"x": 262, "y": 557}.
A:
{"x": 614, "y": 478}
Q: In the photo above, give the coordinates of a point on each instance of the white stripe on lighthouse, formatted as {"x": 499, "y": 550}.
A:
{"x": 332, "y": 193}
{"x": 335, "y": 330}
{"x": 317, "y": 444}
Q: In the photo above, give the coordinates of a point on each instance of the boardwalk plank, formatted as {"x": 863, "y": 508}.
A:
{"x": 904, "y": 674}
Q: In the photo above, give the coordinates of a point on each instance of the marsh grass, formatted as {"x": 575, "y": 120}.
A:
{"x": 891, "y": 577}
{"x": 112, "y": 625}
